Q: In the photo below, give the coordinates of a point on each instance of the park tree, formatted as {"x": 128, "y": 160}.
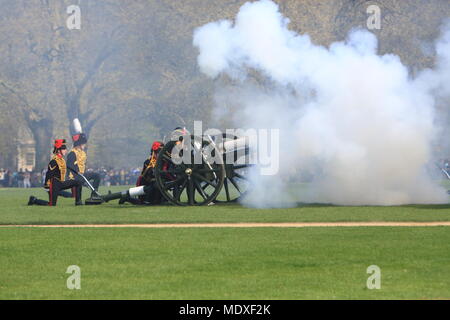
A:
{"x": 52, "y": 74}
{"x": 129, "y": 72}
{"x": 9, "y": 124}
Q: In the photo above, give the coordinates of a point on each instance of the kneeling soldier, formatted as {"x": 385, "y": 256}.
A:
{"x": 55, "y": 178}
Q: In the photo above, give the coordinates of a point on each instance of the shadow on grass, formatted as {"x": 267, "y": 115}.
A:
{"x": 427, "y": 206}
{"x": 236, "y": 206}
{"x": 325, "y": 205}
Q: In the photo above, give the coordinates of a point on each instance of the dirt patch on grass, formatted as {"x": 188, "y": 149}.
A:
{"x": 240, "y": 225}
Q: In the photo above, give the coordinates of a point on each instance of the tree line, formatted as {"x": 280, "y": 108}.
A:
{"x": 129, "y": 73}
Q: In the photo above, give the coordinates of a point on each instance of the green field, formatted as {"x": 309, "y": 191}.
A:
{"x": 228, "y": 263}
{"x": 14, "y": 210}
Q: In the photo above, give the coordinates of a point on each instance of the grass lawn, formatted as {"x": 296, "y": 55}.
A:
{"x": 234, "y": 263}
{"x": 13, "y": 210}
{"x": 314, "y": 263}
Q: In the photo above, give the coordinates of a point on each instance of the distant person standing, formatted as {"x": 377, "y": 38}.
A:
{"x": 122, "y": 177}
{"x": 7, "y": 182}
{"x": 43, "y": 173}
{"x": 14, "y": 179}
{"x": 20, "y": 177}
{"x": 117, "y": 177}
{"x": 27, "y": 179}
{"x": 35, "y": 179}
{"x": 2, "y": 177}
{"x": 107, "y": 180}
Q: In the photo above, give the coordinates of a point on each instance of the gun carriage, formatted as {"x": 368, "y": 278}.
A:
{"x": 198, "y": 170}
{"x": 201, "y": 170}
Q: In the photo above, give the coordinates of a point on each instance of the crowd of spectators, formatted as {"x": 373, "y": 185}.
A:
{"x": 116, "y": 177}
{"x": 32, "y": 179}
{"x": 19, "y": 179}
{"x": 110, "y": 176}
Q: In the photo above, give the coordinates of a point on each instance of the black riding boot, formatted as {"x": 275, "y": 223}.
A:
{"x": 33, "y": 200}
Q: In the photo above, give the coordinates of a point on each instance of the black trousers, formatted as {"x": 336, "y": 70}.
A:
{"x": 93, "y": 177}
{"x": 55, "y": 189}
{"x": 65, "y": 194}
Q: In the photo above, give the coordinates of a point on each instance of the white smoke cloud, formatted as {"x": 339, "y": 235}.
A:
{"x": 355, "y": 120}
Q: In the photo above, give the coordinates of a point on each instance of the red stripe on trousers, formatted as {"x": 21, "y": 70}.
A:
{"x": 50, "y": 193}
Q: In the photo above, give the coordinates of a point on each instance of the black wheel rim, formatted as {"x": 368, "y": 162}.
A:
{"x": 195, "y": 183}
{"x": 236, "y": 181}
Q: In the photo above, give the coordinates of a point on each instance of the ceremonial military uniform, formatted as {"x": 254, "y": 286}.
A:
{"x": 55, "y": 180}
{"x": 148, "y": 175}
{"x": 76, "y": 160}
{"x": 147, "y": 178}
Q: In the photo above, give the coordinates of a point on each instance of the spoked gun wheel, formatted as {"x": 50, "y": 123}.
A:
{"x": 187, "y": 174}
{"x": 236, "y": 183}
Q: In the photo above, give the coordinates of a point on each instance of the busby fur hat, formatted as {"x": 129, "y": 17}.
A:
{"x": 79, "y": 139}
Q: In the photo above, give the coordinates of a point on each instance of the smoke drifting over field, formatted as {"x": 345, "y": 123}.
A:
{"x": 358, "y": 123}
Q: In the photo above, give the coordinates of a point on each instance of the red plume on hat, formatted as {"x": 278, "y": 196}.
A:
{"x": 75, "y": 137}
{"x": 78, "y": 137}
{"x": 59, "y": 144}
{"x": 156, "y": 145}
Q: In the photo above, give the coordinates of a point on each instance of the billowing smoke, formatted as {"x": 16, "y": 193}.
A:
{"x": 353, "y": 123}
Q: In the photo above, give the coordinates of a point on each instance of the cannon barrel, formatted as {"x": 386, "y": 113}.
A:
{"x": 233, "y": 148}
{"x": 233, "y": 145}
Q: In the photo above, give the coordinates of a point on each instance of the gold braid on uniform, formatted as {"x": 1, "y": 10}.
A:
{"x": 151, "y": 164}
{"x": 62, "y": 167}
{"x": 80, "y": 161}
